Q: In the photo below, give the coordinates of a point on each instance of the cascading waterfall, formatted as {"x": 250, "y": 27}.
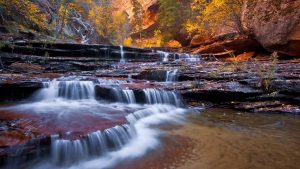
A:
{"x": 172, "y": 75}
{"x": 130, "y": 139}
{"x": 67, "y": 152}
{"x": 124, "y": 95}
{"x": 189, "y": 57}
{"x": 165, "y": 55}
{"x": 152, "y": 96}
{"x": 115, "y": 140}
{"x": 122, "y": 60}
{"x": 157, "y": 96}
{"x": 181, "y": 56}
{"x": 72, "y": 90}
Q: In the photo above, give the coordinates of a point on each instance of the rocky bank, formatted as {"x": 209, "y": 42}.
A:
{"x": 258, "y": 84}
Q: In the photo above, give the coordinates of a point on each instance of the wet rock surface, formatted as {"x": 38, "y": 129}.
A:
{"x": 214, "y": 81}
{"x": 256, "y": 85}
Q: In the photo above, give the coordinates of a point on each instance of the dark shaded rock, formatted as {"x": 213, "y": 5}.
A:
{"x": 287, "y": 86}
{"x": 221, "y": 92}
{"x": 18, "y": 90}
{"x": 157, "y": 75}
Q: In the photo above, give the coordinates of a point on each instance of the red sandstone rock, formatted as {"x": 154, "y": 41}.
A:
{"x": 199, "y": 40}
{"x": 238, "y": 45}
{"x": 275, "y": 24}
{"x": 242, "y": 57}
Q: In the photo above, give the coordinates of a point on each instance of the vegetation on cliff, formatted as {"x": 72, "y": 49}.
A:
{"x": 56, "y": 18}
{"x": 153, "y": 23}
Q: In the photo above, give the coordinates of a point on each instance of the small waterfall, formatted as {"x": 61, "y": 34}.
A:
{"x": 165, "y": 56}
{"x": 189, "y": 57}
{"x": 172, "y": 76}
{"x": 129, "y": 78}
{"x": 67, "y": 152}
{"x": 72, "y": 90}
{"x": 122, "y": 55}
{"x": 124, "y": 95}
{"x": 136, "y": 136}
{"x": 157, "y": 96}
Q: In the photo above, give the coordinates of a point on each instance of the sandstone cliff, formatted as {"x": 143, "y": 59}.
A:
{"x": 150, "y": 8}
{"x": 275, "y": 24}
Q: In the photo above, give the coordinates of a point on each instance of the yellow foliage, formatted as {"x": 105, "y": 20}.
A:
{"x": 102, "y": 19}
{"x": 128, "y": 42}
{"x": 35, "y": 15}
{"x": 212, "y": 14}
{"x": 155, "y": 41}
{"x": 27, "y": 12}
{"x": 173, "y": 44}
{"x": 65, "y": 12}
{"x": 159, "y": 38}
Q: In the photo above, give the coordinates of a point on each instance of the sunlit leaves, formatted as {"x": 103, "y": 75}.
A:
{"x": 208, "y": 15}
{"x": 111, "y": 26}
{"x": 26, "y": 12}
{"x": 137, "y": 21}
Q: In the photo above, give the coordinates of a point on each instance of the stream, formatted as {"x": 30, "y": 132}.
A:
{"x": 80, "y": 121}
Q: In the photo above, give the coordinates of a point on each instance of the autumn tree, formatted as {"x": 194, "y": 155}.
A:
{"x": 120, "y": 27}
{"x": 101, "y": 17}
{"x": 64, "y": 10}
{"x": 137, "y": 17}
{"x": 24, "y": 12}
{"x": 111, "y": 26}
{"x": 208, "y": 15}
{"x": 172, "y": 14}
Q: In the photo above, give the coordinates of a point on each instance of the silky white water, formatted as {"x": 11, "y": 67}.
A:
{"x": 122, "y": 60}
{"x": 105, "y": 148}
{"x": 172, "y": 75}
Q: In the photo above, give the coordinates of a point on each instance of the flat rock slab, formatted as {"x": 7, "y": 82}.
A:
{"x": 24, "y": 122}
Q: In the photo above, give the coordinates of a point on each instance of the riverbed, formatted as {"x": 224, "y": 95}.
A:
{"x": 219, "y": 138}
{"x": 175, "y": 111}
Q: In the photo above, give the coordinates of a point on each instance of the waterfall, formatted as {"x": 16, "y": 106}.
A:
{"x": 131, "y": 139}
{"x": 91, "y": 146}
{"x": 72, "y": 90}
{"x": 124, "y": 95}
{"x": 181, "y": 57}
{"x": 122, "y": 55}
{"x": 157, "y": 96}
{"x": 165, "y": 55}
{"x": 129, "y": 78}
{"x": 172, "y": 75}
{"x": 67, "y": 152}
{"x": 189, "y": 57}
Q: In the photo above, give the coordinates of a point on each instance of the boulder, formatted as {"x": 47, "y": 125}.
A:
{"x": 275, "y": 24}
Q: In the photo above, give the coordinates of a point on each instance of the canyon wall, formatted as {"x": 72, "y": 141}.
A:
{"x": 274, "y": 24}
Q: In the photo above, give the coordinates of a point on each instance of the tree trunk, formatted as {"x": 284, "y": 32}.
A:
{"x": 2, "y": 18}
